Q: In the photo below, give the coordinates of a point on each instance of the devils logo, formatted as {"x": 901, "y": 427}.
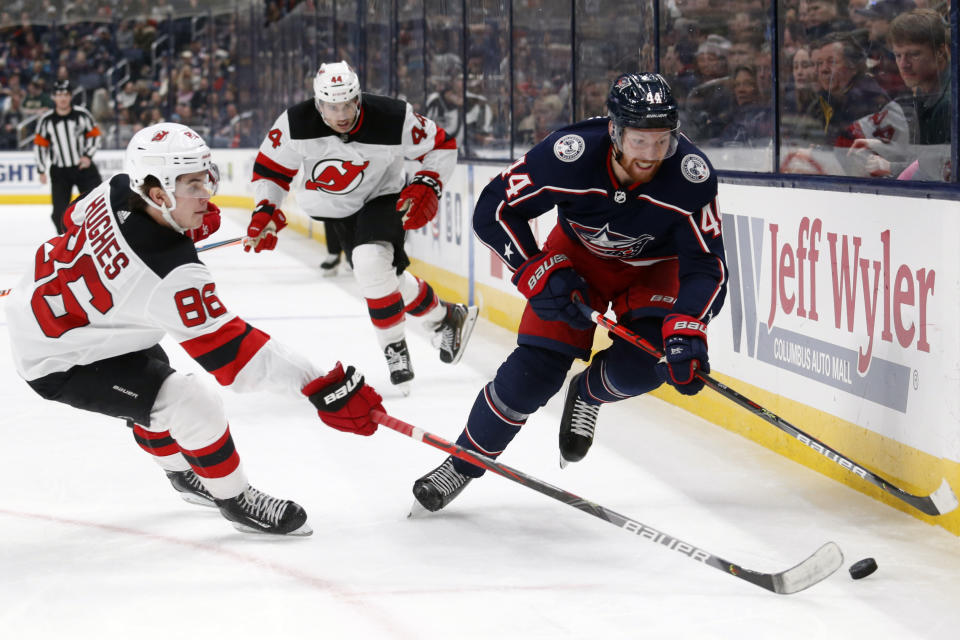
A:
{"x": 336, "y": 176}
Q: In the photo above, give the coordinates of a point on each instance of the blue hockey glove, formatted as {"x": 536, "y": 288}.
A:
{"x": 550, "y": 283}
{"x": 684, "y": 351}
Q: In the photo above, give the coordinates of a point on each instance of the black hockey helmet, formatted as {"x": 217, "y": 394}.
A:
{"x": 642, "y": 101}
{"x": 62, "y": 86}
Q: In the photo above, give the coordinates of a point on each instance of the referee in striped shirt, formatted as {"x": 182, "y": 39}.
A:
{"x": 65, "y": 141}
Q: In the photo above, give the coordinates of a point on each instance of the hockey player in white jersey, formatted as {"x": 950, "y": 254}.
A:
{"x": 351, "y": 149}
{"x": 86, "y": 320}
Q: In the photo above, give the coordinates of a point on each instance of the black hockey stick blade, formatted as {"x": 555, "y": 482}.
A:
{"x": 817, "y": 567}
{"x": 941, "y": 501}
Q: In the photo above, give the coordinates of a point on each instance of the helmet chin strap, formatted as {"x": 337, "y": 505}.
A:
{"x": 166, "y": 215}
{"x": 165, "y": 212}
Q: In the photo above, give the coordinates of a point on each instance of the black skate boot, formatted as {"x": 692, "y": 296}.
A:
{"x": 329, "y": 265}
{"x": 454, "y": 331}
{"x": 398, "y": 362}
{"x": 578, "y": 424}
{"x": 438, "y": 488}
{"x": 190, "y": 487}
{"x": 256, "y": 512}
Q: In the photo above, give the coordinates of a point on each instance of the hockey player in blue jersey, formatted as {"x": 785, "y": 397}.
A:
{"x": 638, "y": 230}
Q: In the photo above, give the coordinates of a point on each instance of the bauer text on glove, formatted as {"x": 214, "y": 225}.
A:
{"x": 344, "y": 401}
{"x": 684, "y": 352}
{"x": 553, "y": 287}
{"x": 265, "y": 223}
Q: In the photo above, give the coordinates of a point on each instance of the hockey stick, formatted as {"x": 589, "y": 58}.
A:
{"x": 205, "y": 247}
{"x": 815, "y": 568}
{"x": 218, "y": 244}
{"x": 938, "y": 503}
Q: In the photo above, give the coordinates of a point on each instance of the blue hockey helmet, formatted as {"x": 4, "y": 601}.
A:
{"x": 642, "y": 101}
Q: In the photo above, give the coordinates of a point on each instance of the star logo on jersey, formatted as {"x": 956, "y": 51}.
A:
{"x": 507, "y": 251}
{"x": 610, "y": 244}
{"x": 338, "y": 177}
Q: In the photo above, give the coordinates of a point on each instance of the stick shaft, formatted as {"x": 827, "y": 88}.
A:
{"x": 813, "y": 571}
{"x": 943, "y": 501}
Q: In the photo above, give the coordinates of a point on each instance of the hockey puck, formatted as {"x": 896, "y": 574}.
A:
{"x": 863, "y": 568}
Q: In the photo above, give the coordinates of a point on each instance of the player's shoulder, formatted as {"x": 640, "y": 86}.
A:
{"x": 160, "y": 248}
{"x": 689, "y": 176}
{"x": 573, "y": 148}
{"x": 305, "y": 122}
{"x": 382, "y": 120}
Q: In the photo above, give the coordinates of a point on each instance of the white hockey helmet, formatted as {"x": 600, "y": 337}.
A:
{"x": 336, "y": 82}
{"x": 165, "y": 151}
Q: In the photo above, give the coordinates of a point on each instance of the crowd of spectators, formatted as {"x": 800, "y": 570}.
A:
{"x": 864, "y": 84}
{"x": 849, "y": 101}
{"x": 135, "y": 63}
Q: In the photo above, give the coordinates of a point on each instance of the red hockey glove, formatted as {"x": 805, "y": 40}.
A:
{"x": 265, "y": 223}
{"x": 344, "y": 401}
{"x": 550, "y": 283}
{"x": 209, "y": 226}
{"x": 419, "y": 200}
{"x": 685, "y": 351}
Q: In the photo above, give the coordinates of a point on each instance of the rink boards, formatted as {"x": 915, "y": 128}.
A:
{"x": 841, "y": 314}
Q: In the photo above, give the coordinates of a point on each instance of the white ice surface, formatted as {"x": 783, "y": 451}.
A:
{"x": 95, "y": 544}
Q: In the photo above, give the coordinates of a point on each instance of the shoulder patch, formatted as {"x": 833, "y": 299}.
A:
{"x": 694, "y": 168}
{"x": 569, "y": 147}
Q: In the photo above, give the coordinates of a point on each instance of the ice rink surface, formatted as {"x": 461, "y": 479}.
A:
{"x": 94, "y": 543}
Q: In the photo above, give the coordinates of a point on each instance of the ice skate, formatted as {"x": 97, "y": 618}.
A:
{"x": 256, "y": 512}
{"x": 398, "y": 362}
{"x": 190, "y": 487}
{"x": 438, "y": 488}
{"x": 454, "y": 331}
{"x": 328, "y": 267}
{"x": 578, "y": 424}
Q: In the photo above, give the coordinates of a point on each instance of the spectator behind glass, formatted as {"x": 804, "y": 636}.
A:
{"x": 12, "y": 116}
{"x": 919, "y": 42}
{"x": 548, "y": 114}
{"x": 593, "y": 100}
{"x": 800, "y": 91}
{"x": 751, "y": 121}
{"x": 849, "y": 105}
{"x": 821, "y": 17}
{"x": 880, "y": 61}
{"x": 445, "y": 107}
{"x": 707, "y": 108}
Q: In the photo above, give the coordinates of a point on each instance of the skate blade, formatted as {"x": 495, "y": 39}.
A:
{"x": 563, "y": 462}
{"x": 304, "y": 530}
{"x": 404, "y": 388}
{"x": 197, "y": 500}
{"x": 468, "y": 325}
{"x": 417, "y": 510}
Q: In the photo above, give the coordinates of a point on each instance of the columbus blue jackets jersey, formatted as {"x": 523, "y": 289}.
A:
{"x": 675, "y": 216}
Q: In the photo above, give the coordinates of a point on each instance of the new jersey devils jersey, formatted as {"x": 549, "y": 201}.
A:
{"x": 116, "y": 283}
{"x": 672, "y": 217}
{"x": 343, "y": 171}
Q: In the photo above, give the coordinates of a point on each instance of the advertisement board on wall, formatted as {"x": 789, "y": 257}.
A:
{"x": 846, "y": 302}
